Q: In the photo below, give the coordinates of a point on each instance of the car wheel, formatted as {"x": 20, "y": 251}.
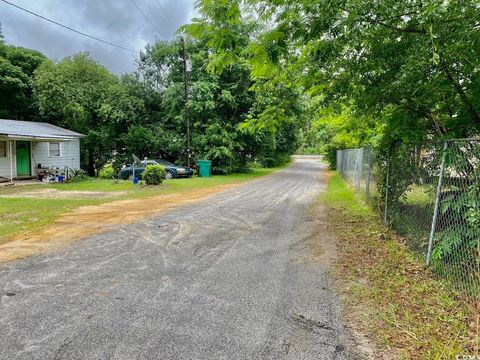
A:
{"x": 130, "y": 177}
{"x": 169, "y": 175}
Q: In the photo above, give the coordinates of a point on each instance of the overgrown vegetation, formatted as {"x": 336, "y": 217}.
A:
{"x": 388, "y": 74}
{"x": 143, "y": 113}
{"x": 389, "y": 293}
{"x": 17, "y": 66}
{"x": 107, "y": 171}
{"x": 405, "y": 70}
{"x": 154, "y": 174}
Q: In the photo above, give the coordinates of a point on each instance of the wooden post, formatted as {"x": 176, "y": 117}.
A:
{"x": 11, "y": 159}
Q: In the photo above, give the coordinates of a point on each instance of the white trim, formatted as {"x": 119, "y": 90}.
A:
{"x": 11, "y": 161}
{"x": 33, "y": 170}
{"x": 40, "y": 137}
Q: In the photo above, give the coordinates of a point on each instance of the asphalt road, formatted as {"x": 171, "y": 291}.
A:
{"x": 226, "y": 278}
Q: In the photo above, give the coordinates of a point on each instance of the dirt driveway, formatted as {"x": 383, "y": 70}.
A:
{"x": 93, "y": 219}
{"x": 234, "y": 276}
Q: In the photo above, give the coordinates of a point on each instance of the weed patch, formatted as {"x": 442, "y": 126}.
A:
{"x": 389, "y": 294}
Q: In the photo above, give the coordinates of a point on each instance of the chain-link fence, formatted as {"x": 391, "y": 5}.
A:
{"x": 430, "y": 194}
{"x": 359, "y": 168}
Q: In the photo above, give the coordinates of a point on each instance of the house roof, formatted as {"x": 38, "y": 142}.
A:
{"x": 35, "y": 130}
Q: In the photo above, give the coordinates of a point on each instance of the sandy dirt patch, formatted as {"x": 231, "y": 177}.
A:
{"x": 93, "y": 219}
{"x": 63, "y": 194}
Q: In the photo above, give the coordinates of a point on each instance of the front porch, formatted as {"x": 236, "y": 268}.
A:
{"x": 24, "y": 159}
{"x": 29, "y": 149}
{"x": 19, "y": 181}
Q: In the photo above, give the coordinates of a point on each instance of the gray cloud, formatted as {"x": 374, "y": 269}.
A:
{"x": 117, "y": 21}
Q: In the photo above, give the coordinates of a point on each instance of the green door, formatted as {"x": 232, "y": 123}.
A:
{"x": 23, "y": 158}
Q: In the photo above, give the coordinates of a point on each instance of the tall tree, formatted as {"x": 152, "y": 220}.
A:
{"x": 413, "y": 64}
{"x": 17, "y": 66}
{"x": 218, "y": 105}
{"x": 83, "y": 96}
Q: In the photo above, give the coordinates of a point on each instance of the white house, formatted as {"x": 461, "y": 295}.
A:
{"x": 27, "y": 145}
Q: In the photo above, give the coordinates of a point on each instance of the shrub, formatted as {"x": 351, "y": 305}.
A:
{"x": 77, "y": 175}
{"x": 107, "y": 171}
{"x": 275, "y": 160}
{"x": 154, "y": 174}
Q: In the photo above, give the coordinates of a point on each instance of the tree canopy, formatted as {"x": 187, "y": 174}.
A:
{"x": 268, "y": 76}
{"x": 17, "y": 66}
{"x": 143, "y": 113}
{"x": 412, "y": 65}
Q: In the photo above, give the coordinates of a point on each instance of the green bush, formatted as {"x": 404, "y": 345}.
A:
{"x": 154, "y": 174}
{"x": 275, "y": 160}
{"x": 77, "y": 175}
{"x": 107, "y": 171}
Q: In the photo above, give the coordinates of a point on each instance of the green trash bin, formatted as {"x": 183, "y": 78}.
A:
{"x": 204, "y": 168}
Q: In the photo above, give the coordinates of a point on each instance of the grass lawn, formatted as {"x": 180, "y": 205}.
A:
{"x": 388, "y": 293}
{"x": 20, "y": 214}
{"x": 412, "y": 216}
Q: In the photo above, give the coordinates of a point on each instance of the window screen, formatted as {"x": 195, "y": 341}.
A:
{"x": 3, "y": 149}
{"x": 53, "y": 149}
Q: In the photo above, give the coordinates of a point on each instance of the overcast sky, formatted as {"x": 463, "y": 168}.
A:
{"x": 117, "y": 21}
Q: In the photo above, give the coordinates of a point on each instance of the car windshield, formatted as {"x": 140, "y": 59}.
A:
{"x": 164, "y": 163}
{"x": 149, "y": 162}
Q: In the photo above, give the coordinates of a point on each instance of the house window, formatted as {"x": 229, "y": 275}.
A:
{"x": 3, "y": 149}
{"x": 54, "y": 149}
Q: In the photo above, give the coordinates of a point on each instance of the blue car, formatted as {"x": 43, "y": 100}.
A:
{"x": 172, "y": 171}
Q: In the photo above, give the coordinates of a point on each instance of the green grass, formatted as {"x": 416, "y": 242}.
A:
{"x": 168, "y": 186}
{"x": 388, "y": 291}
{"x": 412, "y": 217}
{"x": 339, "y": 196}
{"x": 420, "y": 195}
{"x": 20, "y": 214}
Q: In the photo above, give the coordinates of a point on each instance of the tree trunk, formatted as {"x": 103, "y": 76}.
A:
{"x": 91, "y": 162}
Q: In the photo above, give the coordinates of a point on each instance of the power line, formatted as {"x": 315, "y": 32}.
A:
{"x": 144, "y": 15}
{"x": 165, "y": 13}
{"x": 71, "y": 29}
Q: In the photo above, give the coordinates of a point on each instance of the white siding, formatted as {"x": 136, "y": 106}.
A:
{"x": 70, "y": 155}
{"x": 5, "y": 163}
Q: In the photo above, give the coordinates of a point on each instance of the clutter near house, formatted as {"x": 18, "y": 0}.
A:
{"x": 37, "y": 151}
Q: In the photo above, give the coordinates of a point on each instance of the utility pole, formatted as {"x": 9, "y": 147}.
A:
{"x": 187, "y": 68}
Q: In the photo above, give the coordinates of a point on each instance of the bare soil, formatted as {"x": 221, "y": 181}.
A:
{"x": 88, "y": 220}
{"x": 63, "y": 194}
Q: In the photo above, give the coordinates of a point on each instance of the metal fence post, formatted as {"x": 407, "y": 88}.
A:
{"x": 358, "y": 169}
{"x": 387, "y": 185}
{"x": 369, "y": 173}
{"x": 340, "y": 161}
{"x": 437, "y": 204}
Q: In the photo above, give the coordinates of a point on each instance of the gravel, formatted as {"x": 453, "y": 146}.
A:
{"x": 226, "y": 278}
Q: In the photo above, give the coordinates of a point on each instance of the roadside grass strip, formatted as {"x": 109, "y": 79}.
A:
{"x": 25, "y": 211}
{"x": 389, "y": 294}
